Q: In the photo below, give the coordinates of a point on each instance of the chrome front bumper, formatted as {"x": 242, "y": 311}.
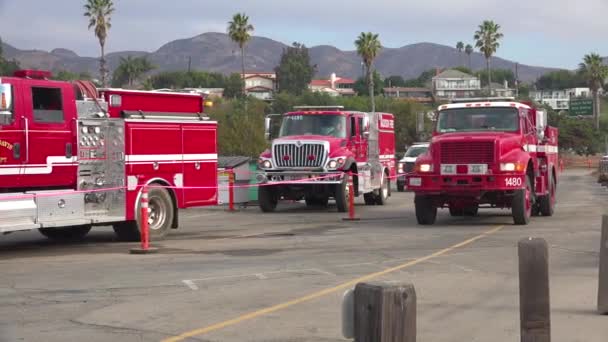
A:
{"x": 299, "y": 177}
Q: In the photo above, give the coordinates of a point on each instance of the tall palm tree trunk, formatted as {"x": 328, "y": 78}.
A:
{"x": 489, "y": 76}
{"x": 102, "y": 65}
{"x": 596, "y": 108}
{"x": 243, "y": 69}
{"x": 370, "y": 83}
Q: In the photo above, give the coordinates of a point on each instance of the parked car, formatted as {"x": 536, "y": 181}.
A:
{"x": 406, "y": 164}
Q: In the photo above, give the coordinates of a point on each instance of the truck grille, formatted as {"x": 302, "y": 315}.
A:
{"x": 304, "y": 155}
{"x": 467, "y": 152}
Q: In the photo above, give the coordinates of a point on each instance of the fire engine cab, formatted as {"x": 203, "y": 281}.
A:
{"x": 316, "y": 148}
{"x": 73, "y": 156}
{"x": 494, "y": 152}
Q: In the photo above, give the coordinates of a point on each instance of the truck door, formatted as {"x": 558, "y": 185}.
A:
{"x": 49, "y": 126}
{"x": 12, "y": 136}
{"x": 362, "y": 142}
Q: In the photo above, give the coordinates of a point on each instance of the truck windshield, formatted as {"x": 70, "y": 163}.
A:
{"x": 314, "y": 124}
{"x": 478, "y": 119}
{"x": 415, "y": 151}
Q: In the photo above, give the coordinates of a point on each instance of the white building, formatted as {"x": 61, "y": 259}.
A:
{"x": 559, "y": 99}
{"x": 334, "y": 86}
{"x": 452, "y": 83}
{"x": 261, "y": 85}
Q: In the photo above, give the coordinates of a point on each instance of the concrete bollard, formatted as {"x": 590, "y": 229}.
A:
{"x": 602, "y": 292}
{"x": 385, "y": 312}
{"x": 534, "y": 300}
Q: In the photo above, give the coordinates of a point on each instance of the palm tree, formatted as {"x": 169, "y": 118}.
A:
{"x": 130, "y": 69}
{"x": 487, "y": 38}
{"x": 99, "y": 13}
{"x": 595, "y": 72}
{"x": 238, "y": 30}
{"x": 469, "y": 50}
{"x": 368, "y": 46}
{"x": 460, "y": 47}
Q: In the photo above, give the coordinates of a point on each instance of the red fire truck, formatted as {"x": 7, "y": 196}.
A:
{"x": 494, "y": 152}
{"x": 317, "y": 147}
{"x": 73, "y": 156}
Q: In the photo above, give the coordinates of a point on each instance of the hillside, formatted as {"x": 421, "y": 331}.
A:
{"x": 215, "y": 52}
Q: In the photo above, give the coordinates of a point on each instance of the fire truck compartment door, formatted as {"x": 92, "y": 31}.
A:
{"x": 59, "y": 207}
{"x": 200, "y": 165}
{"x": 12, "y": 136}
{"x": 17, "y": 212}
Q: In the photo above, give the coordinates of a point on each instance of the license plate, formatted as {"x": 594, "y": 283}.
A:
{"x": 415, "y": 181}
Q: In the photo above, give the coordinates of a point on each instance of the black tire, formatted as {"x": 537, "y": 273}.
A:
{"x": 400, "y": 186}
{"x": 456, "y": 212}
{"x": 369, "y": 198}
{"x": 73, "y": 233}
{"x": 267, "y": 198}
{"x": 426, "y": 211}
{"x": 471, "y": 210}
{"x": 384, "y": 192}
{"x": 341, "y": 195}
{"x": 519, "y": 210}
{"x": 161, "y": 213}
{"x": 546, "y": 204}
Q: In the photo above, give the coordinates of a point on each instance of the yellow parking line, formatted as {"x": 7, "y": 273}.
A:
{"x": 327, "y": 291}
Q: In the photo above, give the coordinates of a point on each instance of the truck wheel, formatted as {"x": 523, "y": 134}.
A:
{"x": 267, "y": 198}
{"x": 66, "y": 233}
{"x": 400, "y": 186}
{"x": 369, "y": 198}
{"x": 341, "y": 195}
{"x": 471, "y": 210}
{"x": 547, "y": 202}
{"x": 521, "y": 208}
{"x": 426, "y": 211}
{"x": 384, "y": 191}
{"x": 160, "y": 217}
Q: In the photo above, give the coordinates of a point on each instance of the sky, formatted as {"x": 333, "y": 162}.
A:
{"x": 552, "y": 33}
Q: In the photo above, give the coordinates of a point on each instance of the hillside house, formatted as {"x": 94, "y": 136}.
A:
{"x": 451, "y": 83}
{"x": 334, "y": 86}
{"x": 261, "y": 85}
{"x": 422, "y": 95}
{"x": 559, "y": 99}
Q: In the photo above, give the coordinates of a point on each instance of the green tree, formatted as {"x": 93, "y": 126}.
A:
{"x": 498, "y": 76}
{"x": 7, "y": 68}
{"x": 368, "y": 47}
{"x": 469, "y": 50}
{"x": 460, "y": 47}
{"x": 294, "y": 71}
{"x": 130, "y": 70}
{"x": 487, "y": 39}
{"x": 233, "y": 86}
{"x": 239, "y": 31}
{"x": 394, "y": 81}
{"x": 560, "y": 79}
{"x": 595, "y": 73}
{"x": 64, "y": 75}
{"x": 99, "y": 13}
{"x": 361, "y": 86}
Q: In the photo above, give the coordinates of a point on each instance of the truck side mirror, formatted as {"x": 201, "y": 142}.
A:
{"x": 6, "y": 104}
{"x": 267, "y": 128}
{"x": 365, "y": 128}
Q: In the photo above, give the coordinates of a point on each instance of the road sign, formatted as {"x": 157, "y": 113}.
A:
{"x": 581, "y": 107}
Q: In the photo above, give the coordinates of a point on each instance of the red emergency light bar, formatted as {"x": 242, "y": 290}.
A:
{"x": 35, "y": 74}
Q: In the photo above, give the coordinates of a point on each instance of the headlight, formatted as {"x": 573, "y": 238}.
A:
{"x": 400, "y": 168}
{"x": 265, "y": 163}
{"x": 509, "y": 167}
{"x": 336, "y": 163}
{"x": 425, "y": 167}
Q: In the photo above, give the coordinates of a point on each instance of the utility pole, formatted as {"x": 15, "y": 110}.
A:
{"x": 189, "y": 63}
{"x": 516, "y": 80}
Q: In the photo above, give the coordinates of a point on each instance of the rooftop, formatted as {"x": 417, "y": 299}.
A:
{"x": 452, "y": 73}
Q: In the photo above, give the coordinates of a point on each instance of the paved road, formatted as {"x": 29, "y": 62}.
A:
{"x": 249, "y": 276}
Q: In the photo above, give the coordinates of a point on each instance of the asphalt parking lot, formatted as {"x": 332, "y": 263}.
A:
{"x": 248, "y": 276}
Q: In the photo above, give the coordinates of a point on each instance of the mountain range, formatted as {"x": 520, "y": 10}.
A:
{"x": 216, "y": 52}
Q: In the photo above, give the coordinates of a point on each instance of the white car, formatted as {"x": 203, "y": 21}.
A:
{"x": 406, "y": 164}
